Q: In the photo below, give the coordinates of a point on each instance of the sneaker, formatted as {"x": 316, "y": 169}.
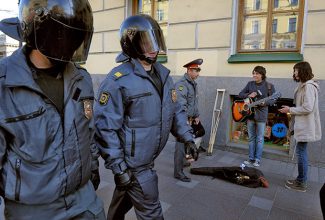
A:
{"x": 295, "y": 185}
{"x": 249, "y": 162}
{"x": 257, "y": 164}
{"x": 290, "y": 182}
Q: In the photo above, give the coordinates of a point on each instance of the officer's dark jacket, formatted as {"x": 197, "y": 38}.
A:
{"x": 188, "y": 95}
{"x": 132, "y": 121}
{"x": 44, "y": 156}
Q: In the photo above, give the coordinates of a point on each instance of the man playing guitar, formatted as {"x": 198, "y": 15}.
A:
{"x": 257, "y": 89}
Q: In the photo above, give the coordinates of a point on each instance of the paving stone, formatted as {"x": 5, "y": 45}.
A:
{"x": 261, "y": 203}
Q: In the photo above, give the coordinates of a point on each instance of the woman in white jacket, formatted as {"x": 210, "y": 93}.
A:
{"x": 305, "y": 115}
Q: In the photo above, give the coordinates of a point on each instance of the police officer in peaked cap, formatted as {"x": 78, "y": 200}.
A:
{"x": 187, "y": 94}
{"x": 136, "y": 110}
{"x": 48, "y": 157}
{"x": 194, "y": 64}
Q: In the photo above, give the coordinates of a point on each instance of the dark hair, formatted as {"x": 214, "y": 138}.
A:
{"x": 305, "y": 72}
{"x": 261, "y": 70}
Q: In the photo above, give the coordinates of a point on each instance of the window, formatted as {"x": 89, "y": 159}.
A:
{"x": 269, "y": 26}
{"x": 158, "y": 9}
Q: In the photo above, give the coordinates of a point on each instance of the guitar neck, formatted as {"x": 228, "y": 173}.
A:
{"x": 253, "y": 104}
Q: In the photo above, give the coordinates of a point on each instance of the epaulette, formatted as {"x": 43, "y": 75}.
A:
{"x": 117, "y": 75}
{"x": 120, "y": 71}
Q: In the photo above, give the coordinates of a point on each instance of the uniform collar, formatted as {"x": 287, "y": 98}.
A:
{"x": 188, "y": 78}
{"x": 140, "y": 71}
{"x": 20, "y": 74}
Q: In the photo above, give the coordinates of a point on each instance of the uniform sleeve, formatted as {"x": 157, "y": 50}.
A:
{"x": 180, "y": 128}
{"x": 108, "y": 112}
{"x": 244, "y": 93}
{"x": 3, "y": 146}
{"x": 309, "y": 101}
{"x": 182, "y": 91}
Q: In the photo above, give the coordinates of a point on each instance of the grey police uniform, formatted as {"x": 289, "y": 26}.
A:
{"x": 45, "y": 159}
{"x": 188, "y": 98}
{"x": 133, "y": 123}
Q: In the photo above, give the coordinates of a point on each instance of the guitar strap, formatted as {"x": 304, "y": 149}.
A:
{"x": 269, "y": 87}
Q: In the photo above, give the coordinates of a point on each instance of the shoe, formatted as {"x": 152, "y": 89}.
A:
{"x": 295, "y": 185}
{"x": 249, "y": 162}
{"x": 183, "y": 178}
{"x": 257, "y": 164}
{"x": 201, "y": 149}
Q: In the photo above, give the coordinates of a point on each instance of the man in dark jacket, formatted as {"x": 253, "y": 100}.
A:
{"x": 137, "y": 108}
{"x": 257, "y": 89}
{"x": 47, "y": 152}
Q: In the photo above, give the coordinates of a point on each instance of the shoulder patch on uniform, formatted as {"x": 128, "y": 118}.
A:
{"x": 174, "y": 95}
{"x": 103, "y": 98}
{"x": 180, "y": 88}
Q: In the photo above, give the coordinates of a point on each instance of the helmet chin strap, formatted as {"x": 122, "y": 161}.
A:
{"x": 149, "y": 60}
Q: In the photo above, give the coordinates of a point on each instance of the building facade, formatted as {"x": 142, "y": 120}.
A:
{"x": 7, "y": 45}
{"x": 232, "y": 37}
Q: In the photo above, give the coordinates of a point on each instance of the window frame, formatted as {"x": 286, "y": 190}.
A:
{"x": 268, "y": 32}
{"x": 135, "y": 10}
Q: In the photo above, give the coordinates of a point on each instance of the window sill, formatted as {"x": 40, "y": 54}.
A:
{"x": 162, "y": 58}
{"x": 266, "y": 57}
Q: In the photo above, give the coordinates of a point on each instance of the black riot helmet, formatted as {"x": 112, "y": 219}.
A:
{"x": 60, "y": 29}
{"x": 140, "y": 34}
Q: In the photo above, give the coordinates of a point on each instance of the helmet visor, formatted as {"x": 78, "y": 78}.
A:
{"x": 59, "y": 41}
{"x": 149, "y": 41}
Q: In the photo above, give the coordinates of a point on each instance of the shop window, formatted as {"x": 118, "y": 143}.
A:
{"x": 275, "y": 25}
{"x": 276, "y": 135}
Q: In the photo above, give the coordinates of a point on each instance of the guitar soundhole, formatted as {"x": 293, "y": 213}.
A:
{"x": 245, "y": 108}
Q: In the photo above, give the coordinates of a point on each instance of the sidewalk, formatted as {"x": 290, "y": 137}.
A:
{"x": 211, "y": 199}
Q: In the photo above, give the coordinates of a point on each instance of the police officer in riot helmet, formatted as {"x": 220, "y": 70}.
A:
{"x": 137, "y": 108}
{"x": 48, "y": 157}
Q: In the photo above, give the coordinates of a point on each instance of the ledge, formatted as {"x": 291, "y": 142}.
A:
{"x": 162, "y": 58}
{"x": 266, "y": 57}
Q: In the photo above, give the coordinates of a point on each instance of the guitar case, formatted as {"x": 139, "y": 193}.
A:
{"x": 246, "y": 176}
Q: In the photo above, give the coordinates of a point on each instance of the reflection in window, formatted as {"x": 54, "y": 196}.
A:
{"x": 256, "y": 27}
{"x": 292, "y": 25}
{"x": 294, "y": 2}
{"x": 257, "y": 5}
{"x": 160, "y": 15}
{"x": 275, "y": 27}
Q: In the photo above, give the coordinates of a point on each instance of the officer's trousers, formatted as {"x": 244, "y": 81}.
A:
{"x": 179, "y": 159}
{"x": 143, "y": 195}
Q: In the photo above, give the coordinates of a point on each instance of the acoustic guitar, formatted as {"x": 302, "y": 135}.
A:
{"x": 241, "y": 109}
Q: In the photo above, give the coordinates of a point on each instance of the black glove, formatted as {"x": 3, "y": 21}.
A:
{"x": 95, "y": 178}
{"x": 190, "y": 149}
{"x": 123, "y": 180}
